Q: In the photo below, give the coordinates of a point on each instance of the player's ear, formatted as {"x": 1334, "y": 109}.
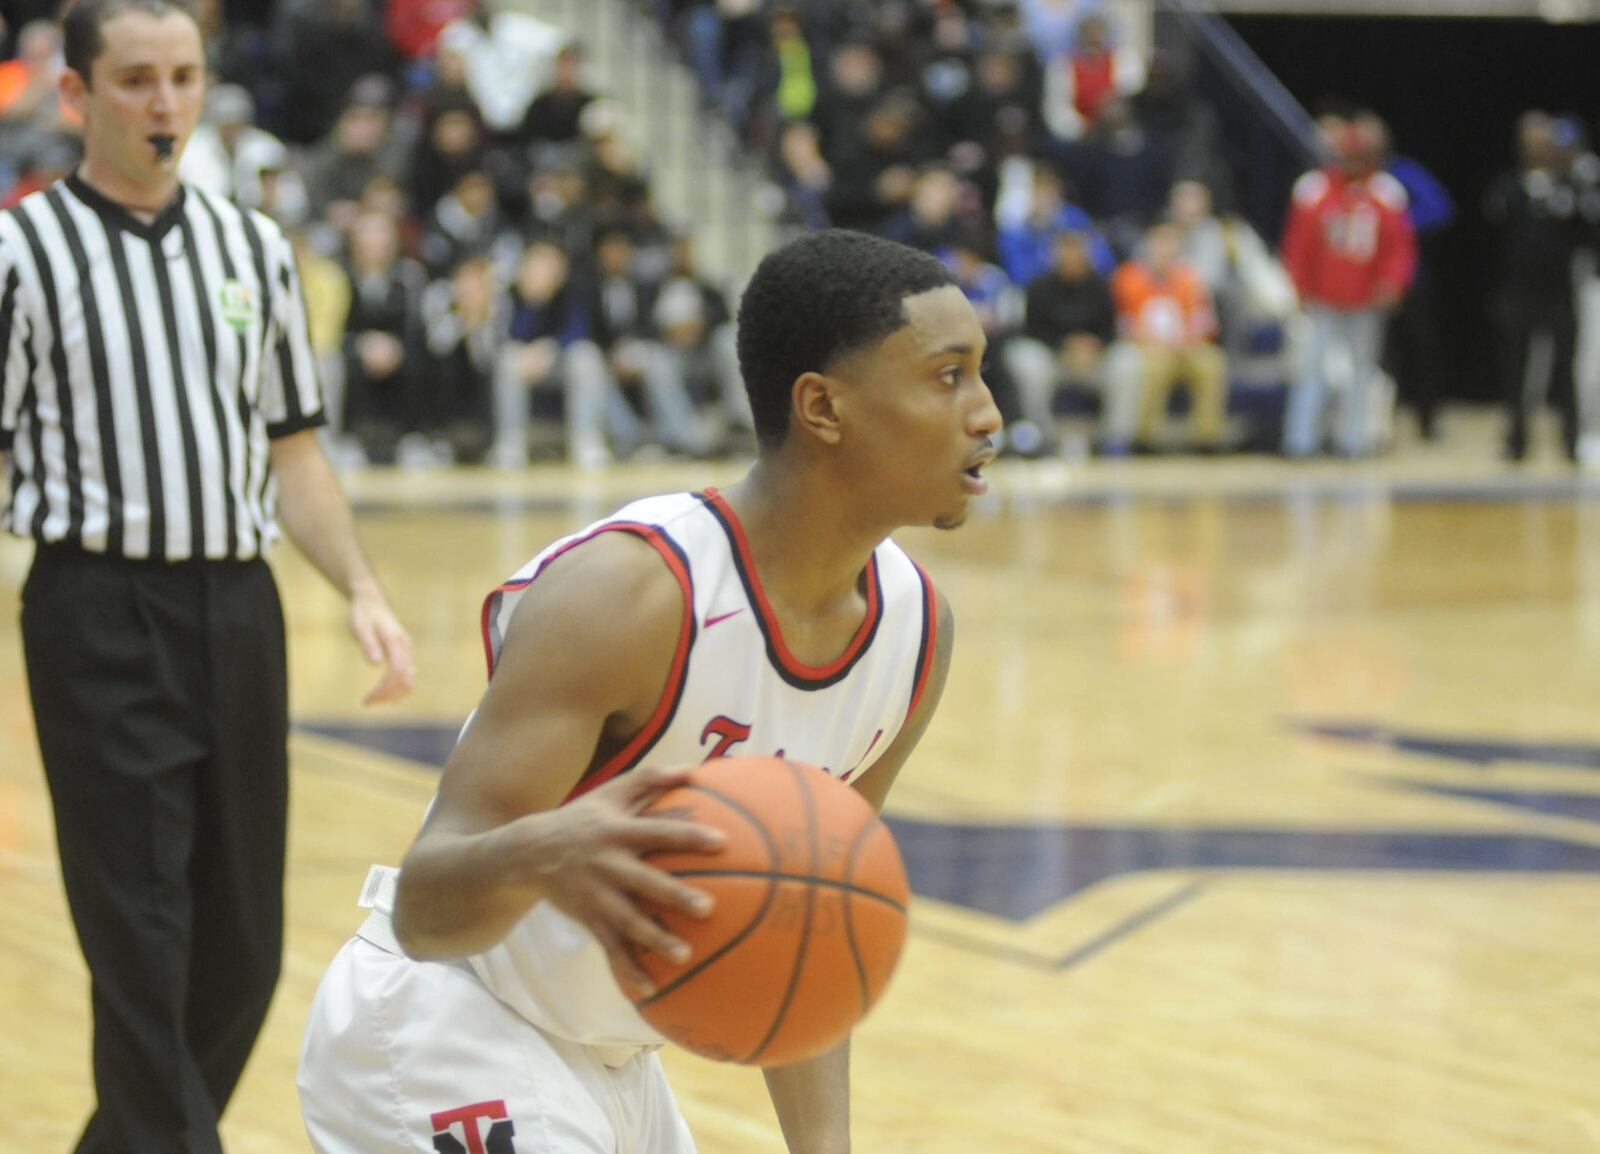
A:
{"x": 816, "y": 407}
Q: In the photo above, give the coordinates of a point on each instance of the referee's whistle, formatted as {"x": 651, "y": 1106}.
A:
{"x": 162, "y": 143}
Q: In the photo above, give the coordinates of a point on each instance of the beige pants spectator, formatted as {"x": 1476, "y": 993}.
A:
{"x": 1205, "y": 370}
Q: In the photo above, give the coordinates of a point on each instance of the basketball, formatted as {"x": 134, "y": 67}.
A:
{"x": 809, "y": 920}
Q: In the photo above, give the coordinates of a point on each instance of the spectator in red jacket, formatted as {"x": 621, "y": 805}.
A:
{"x": 1350, "y": 250}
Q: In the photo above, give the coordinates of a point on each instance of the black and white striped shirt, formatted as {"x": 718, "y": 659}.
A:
{"x": 146, "y": 368}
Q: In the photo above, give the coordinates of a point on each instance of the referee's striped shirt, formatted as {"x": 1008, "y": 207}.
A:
{"x": 146, "y": 368}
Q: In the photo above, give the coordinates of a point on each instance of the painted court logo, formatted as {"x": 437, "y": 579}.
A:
{"x": 237, "y": 303}
{"x": 461, "y": 1131}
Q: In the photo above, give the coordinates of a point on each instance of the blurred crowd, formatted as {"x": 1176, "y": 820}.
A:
{"x": 488, "y": 277}
{"x": 1081, "y": 188}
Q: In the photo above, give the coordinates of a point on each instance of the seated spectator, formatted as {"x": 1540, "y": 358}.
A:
{"x": 554, "y": 116}
{"x": 548, "y": 345}
{"x": 874, "y": 174}
{"x": 382, "y": 194}
{"x": 28, "y": 79}
{"x": 1080, "y": 82}
{"x": 52, "y": 159}
{"x": 1124, "y": 175}
{"x": 466, "y": 220}
{"x": 381, "y": 339}
{"x": 692, "y": 318}
{"x": 559, "y": 206}
{"x": 1163, "y": 309}
{"x": 998, "y": 304}
{"x": 943, "y": 67}
{"x": 462, "y": 337}
{"x": 227, "y": 155}
{"x": 616, "y": 179}
{"x": 1001, "y": 106}
{"x": 655, "y": 244}
{"x": 854, "y": 87}
{"x": 793, "y": 78}
{"x": 30, "y": 111}
{"x": 1257, "y": 309}
{"x": 451, "y": 146}
{"x": 1069, "y": 334}
{"x": 931, "y": 222}
{"x": 1027, "y": 240}
{"x": 326, "y": 289}
{"x": 324, "y": 47}
{"x": 724, "y": 46}
{"x": 804, "y": 176}
{"x": 624, "y": 328}
{"x": 361, "y": 146}
{"x": 509, "y": 56}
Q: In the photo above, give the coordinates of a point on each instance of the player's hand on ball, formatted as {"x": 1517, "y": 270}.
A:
{"x": 592, "y": 869}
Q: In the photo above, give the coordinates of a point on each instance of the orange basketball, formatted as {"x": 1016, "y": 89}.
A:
{"x": 810, "y": 914}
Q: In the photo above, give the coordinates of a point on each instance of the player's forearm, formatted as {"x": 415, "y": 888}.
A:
{"x": 812, "y": 1101}
{"x": 460, "y": 894}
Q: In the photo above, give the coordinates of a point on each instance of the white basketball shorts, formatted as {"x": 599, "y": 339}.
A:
{"x": 405, "y": 1057}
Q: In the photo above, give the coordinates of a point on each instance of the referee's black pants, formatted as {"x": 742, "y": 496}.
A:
{"x": 159, "y": 693}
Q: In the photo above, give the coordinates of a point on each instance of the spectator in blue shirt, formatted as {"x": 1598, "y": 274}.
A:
{"x": 1027, "y": 246}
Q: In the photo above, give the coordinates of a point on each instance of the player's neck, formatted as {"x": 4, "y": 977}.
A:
{"x": 806, "y": 549}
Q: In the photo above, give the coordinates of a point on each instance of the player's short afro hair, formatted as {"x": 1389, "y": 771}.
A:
{"x": 818, "y": 298}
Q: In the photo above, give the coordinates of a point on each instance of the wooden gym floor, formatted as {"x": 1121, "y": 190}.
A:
{"x": 1262, "y": 813}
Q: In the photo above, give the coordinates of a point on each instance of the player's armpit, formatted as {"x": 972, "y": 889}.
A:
{"x": 874, "y": 784}
{"x": 588, "y": 651}
{"x": 584, "y": 661}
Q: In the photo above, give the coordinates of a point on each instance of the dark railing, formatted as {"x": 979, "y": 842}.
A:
{"x": 1268, "y": 136}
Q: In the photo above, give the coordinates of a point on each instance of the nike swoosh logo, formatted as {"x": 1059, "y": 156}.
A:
{"x": 720, "y": 618}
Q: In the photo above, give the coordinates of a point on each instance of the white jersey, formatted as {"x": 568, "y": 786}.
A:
{"x": 734, "y": 689}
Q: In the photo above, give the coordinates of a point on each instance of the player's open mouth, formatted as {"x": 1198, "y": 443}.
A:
{"x": 162, "y": 142}
{"x": 972, "y": 478}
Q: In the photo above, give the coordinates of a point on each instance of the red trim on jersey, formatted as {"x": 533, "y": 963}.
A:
{"x": 672, "y": 691}
{"x": 930, "y": 640}
{"x": 490, "y": 604}
{"x": 769, "y": 620}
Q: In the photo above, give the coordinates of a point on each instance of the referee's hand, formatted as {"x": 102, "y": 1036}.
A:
{"x": 384, "y": 641}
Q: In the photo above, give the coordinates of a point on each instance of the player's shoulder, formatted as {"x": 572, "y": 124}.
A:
{"x": 1311, "y": 187}
{"x": 602, "y": 593}
{"x": 622, "y": 556}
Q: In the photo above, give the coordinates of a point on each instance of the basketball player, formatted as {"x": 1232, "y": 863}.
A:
{"x": 476, "y": 1010}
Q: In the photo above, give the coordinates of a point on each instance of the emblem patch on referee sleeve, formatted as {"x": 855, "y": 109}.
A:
{"x": 238, "y": 304}
{"x": 459, "y": 1131}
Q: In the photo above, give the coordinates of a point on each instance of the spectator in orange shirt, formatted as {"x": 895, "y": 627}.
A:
{"x": 30, "y": 113}
{"x": 1164, "y": 310}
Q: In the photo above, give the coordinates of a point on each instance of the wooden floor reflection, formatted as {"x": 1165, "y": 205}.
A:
{"x": 1263, "y": 813}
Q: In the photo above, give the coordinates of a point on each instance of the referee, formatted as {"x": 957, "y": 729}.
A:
{"x": 157, "y": 415}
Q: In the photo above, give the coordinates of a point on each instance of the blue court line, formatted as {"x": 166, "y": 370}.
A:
{"x": 1467, "y": 748}
{"x": 1134, "y": 922}
{"x": 1075, "y": 957}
